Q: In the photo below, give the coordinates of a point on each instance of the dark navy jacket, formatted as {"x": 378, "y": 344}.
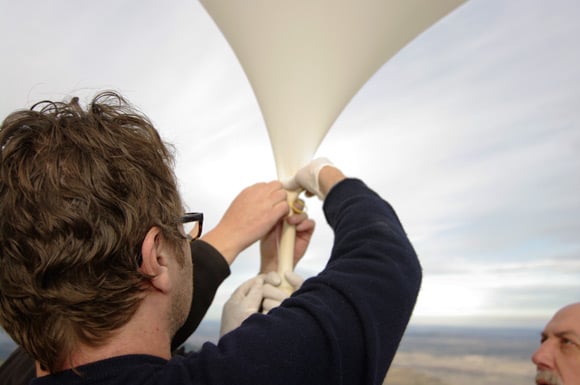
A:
{"x": 342, "y": 327}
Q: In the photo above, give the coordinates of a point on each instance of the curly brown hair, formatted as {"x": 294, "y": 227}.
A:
{"x": 78, "y": 192}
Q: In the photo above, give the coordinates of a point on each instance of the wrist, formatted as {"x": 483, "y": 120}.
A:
{"x": 268, "y": 262}
{"x": 222, "y": 243}
{"x": 328, "y": 177}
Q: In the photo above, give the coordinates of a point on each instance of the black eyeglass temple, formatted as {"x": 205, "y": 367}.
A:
{"x": 186, "y": 218}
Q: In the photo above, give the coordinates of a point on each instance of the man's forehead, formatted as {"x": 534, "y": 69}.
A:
{"x": 566, "y": 319}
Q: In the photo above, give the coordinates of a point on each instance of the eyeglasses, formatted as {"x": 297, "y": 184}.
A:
{"x": 192, "y": 225}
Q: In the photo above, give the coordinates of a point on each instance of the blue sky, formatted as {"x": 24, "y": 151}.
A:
{"x": 472, "y": 132}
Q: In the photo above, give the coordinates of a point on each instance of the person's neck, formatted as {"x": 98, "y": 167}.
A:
{"x": 146, "y": 333}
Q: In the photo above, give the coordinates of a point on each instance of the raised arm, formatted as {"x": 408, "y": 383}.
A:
{"x": 351, "y": 317}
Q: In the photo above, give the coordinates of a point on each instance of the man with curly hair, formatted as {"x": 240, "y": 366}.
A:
{"x": 96, "y": 268}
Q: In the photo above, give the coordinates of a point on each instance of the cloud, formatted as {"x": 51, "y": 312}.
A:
{"x": 471, "y": 131}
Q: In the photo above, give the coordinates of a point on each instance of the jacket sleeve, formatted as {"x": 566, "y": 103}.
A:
{"x": 373, "y": 254}
{"x": 344, "y": 325}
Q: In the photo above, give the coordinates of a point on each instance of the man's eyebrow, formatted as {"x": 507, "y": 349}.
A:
{"x": 568, "y": 333}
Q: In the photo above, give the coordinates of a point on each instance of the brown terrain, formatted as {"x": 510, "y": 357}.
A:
{"x": 428, "y": 369}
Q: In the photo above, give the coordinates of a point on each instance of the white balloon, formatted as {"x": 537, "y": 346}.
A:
{"x": 305, "y": 59}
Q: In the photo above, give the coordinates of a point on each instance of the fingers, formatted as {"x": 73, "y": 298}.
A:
{"x": 273, "y": 294}
{"x": 301, "y": 221}
{"x": 298, "y": 206}
{"x": 272, "y": 278}
{"x": 251, "y": 215}
{"x": 261, "y": 198}
{"x": 248, "y": 287}
{"x": 242, "y": 290}
{"x": 244, "y": 301}
{"x": 308, "y": 176}
{"x": 276, "y": 191}
{"x": 279, "y": 200}
{"x": 269, "y": 304}
{"x": 294, "y": 279}
{"x": 273, "y": 297}
{"x": 307, "y": 225}
{"x": 253, "y": 296}
{"x": 312, "y": 178}
{"x": 271, "y": 196}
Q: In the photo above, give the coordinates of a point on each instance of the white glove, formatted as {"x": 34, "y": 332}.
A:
{"x": 307, "y": 177}
{"x": 273, "y": 295}
{"x": 244, "y": 302}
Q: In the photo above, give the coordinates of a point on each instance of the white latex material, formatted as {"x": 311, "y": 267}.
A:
{"x": 305, "y": 59}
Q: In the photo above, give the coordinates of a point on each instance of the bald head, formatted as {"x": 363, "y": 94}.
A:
{"x": 558, "y": 357}
{"x": 572, "y": 310}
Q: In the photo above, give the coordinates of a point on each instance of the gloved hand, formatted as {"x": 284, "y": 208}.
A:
{"x": 273, "y": 294}
{"x": 307, "y": 177}
{"x": 244, "y": 302}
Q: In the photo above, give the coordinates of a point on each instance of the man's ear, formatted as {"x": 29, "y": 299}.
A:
{"x": 154, "y": 261}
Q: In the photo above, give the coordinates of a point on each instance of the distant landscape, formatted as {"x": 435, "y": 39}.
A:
{"x": 433, "y": 355}
{"x": 460, "y": 356}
